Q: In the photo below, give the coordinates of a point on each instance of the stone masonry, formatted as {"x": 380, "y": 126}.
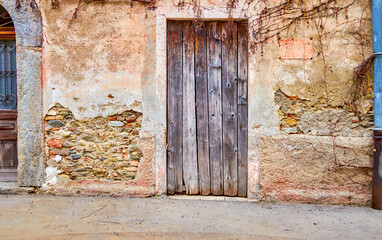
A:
{"x": 100, "y": 148}
{"x": 301, "y": 116}
{"x": 308, "y": 169}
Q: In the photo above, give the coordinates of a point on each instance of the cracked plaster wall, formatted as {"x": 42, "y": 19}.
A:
{"x": 101, "y": 64}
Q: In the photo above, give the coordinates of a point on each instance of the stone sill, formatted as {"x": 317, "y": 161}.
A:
{"x": 211, "y": 198}
{"x": 14, "y": 189}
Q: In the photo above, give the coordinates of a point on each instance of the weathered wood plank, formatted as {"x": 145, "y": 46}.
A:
{"x": 175, "y": 108}
{"x": 7, "y": 125}
{"x": 8, "y": 135}
{"x": 190, "y": 160}
{"x": 229, "y": 102}
{"x": 215, "y": 111}
{"x": 8, "y": 114}
{"x": 8, "y": 154}
{"x": 202, "y": 112}
{"x": 242, "y": 109}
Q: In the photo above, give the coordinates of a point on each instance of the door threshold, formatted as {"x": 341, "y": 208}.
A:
{"x": 211, "y": 198}
{"x": 13, "y": 188}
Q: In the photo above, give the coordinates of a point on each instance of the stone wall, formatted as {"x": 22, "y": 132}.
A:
{"x": 301, "y": 116}
{"x": 308, "y": 169}
{"x": 100, "y": 148}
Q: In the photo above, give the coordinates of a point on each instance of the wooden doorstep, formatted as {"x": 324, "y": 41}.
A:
{"x": 8, "y": 170}
{"x": 8, "y": 176}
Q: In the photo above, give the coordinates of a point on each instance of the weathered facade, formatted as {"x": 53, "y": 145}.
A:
{"x": 92, "y": 100}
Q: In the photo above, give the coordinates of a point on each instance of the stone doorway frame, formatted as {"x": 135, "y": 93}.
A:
{"x": 30, "y": 141}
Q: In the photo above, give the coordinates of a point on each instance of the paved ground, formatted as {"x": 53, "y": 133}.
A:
{"x": 52, "y": 217}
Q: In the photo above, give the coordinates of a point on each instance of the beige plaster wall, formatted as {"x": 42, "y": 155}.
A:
{"x": 96, "y": 64}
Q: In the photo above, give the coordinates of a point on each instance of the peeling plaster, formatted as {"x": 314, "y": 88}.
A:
{"x": 51, "y": 176}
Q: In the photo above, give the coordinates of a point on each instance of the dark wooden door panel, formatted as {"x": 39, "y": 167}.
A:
{"x": 207, "y": 108}
{"x": 8, "y": 100}
{"x": 190, "y": 161}
{"x": 8, "y": 161}
{"x": 8, "y": 145}
{"x": 242, "y": 109}
{"x": 201, "y": 94}
{"x": 175, "y": 109}
{"x": 229, "y": 103}
{"x": 214, "y": 66}
{"x": 8, "y": 154}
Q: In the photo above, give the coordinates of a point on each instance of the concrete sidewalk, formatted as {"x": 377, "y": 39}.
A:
{"x": 52, "y": 217}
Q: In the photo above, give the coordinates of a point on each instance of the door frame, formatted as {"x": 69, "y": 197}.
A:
{"x": 30, "y": 142}
{"x": 173, "y": 13}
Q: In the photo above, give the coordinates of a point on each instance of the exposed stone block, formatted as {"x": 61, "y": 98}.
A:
{"x": 55, "y": 143}
{"x": 63, "y": 151}
{"x": 302, "y": 168}
{"x": 56, "y": 123}
{"x": 30, "y": 127}
{"x": 116, "y": 124}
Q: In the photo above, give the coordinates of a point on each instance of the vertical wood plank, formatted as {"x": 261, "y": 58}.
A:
{"x": 215, "y": 111}
{"x": 242, "y": 109}
{"x": 229, "y": 102}
{"x": 174, "y": 113}
{"x": 201, "y": 86}
{"x": 190, "y": 161}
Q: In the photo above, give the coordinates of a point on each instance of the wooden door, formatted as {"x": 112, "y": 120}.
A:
{"x": 8, "y": 99}
{"x": 207, "y": 138}
{"x": 8, "y": 145}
